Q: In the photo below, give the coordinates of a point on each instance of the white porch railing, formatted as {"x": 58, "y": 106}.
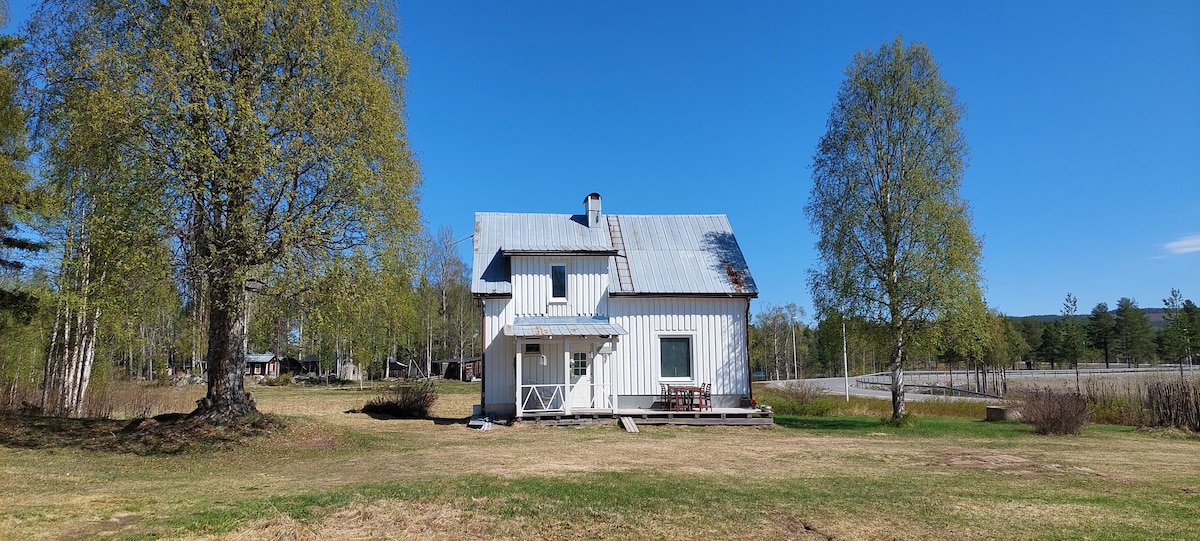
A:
{"x": 550, "y": 397}
{"x": 601, "y": 398}
{"x": 542, "y": 397}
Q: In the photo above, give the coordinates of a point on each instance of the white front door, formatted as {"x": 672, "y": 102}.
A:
{"x": 581, "y": 380}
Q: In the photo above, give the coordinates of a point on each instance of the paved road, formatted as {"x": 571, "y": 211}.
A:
{"x": 837, "y": 386}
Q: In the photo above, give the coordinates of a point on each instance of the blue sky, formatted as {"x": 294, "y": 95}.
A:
{"x": 1083, "y": 119}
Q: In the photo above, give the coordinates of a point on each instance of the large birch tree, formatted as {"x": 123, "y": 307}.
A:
{"x": 269, "y": 128}
{"x": 894, "y": 241}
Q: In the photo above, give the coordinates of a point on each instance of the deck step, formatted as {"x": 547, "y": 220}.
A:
{"x": 628, "y": 423}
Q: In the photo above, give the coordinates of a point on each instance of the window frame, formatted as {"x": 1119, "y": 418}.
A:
{"x": 691, "y": 357}
{"x": 575, "y": 366}
{"x": 566, "y": 279}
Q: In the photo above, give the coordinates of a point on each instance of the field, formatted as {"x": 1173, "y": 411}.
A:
{"x": 336, "y": 475}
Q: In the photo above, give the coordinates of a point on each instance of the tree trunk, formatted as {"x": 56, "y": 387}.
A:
{"x": 897, "y": 369}
{"x": 226, "y": 359}
{"x": 88, "y": 347}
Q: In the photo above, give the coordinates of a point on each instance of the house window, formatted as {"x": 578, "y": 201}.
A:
{"x": 558, "y": 281}
{"x": 533, "y": 348}
{"x": 675, "y": 359}
{"x": 579, "y": 364}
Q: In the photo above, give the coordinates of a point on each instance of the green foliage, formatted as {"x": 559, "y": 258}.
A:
{"x": 1182, "y": 333}
{"x": 778, "y": 342}
{"x": 24, "y": 339}
{"x": 1050, "y": 343}
{"x": 260, "y": 133}
{"x": 1072, "y": 341}
{"x": 18, "y": 199}
{"x": 1134, "y": 338}
{"x": 281, "y": 380}
{"x": 24, "y": 298}
{"x": 452, "y": 387}
{"x": 797, "y": 398}
{"x": 965, "y": 332}
{"x": 1102, "y": 330}
{"x": 907, "y": 420}
{"x": 894, "y": 236}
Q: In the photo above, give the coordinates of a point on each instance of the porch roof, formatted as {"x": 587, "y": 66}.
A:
{"x": 563, "y": 326}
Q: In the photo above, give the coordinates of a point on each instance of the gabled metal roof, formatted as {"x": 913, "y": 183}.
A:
{"x": 563, "y": 326}
{"x": 686, "y": 254}
{"x": 498, "y": 234}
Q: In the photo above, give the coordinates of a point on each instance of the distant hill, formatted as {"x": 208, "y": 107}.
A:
{"x": 1156, "y": 316}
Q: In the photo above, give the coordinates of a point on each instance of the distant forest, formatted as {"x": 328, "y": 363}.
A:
{"x": 781, "y": 347}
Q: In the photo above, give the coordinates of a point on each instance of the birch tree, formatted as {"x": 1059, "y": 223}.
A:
{"x": 271, "y": 127}
{"x": 894, "y": 241}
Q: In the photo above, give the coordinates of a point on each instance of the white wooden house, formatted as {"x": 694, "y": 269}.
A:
{"x": 592, "y": 312}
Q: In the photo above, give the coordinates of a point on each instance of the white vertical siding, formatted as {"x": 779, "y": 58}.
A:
{"x": 587, "y": 286}
{"x": 498, "y": 355}
{"x": 716, "y": 326}
{"x": 532, "y": 370}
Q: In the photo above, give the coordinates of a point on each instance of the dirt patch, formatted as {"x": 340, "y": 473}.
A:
{"x": 985, "y": 460}
{"x": 113, "y": 525}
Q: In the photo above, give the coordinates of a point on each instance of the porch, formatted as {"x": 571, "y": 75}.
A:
{"x": 564, "y": 364}
{"x": 645, "y": 416}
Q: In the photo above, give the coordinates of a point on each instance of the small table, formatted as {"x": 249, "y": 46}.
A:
{"x": 679, "y": 391}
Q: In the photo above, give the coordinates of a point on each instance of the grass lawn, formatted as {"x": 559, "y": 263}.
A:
{"x": 334, "y": 475}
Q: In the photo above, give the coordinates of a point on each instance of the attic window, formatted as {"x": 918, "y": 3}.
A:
{"x": 558, "y": 281}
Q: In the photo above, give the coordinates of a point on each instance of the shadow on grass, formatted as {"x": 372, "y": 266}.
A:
{"x": 440, "y": 421}
{"x": 166, "y": 434}
{"x": 828, "y": 423}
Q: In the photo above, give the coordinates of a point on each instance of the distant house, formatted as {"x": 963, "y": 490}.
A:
{"x": 266, "y": 364}
{"x": 308, "y": 365}
{"x": 347, "y": 370}
{"x": 594, "y": 312}
{"x": 465, "y": 369}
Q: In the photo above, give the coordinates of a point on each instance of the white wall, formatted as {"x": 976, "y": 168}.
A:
{"x": 499, "y": 352}
{"x": 587, "y": 286}
{"x": 716, "y": 326}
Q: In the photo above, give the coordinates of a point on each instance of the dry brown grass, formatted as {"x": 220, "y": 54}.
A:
{"x": 348, "y": 476}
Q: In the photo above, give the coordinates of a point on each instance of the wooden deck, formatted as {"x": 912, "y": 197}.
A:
{"x": 709, "y": 417}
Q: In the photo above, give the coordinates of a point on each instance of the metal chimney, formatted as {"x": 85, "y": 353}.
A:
{"x": 591, "y": 205}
